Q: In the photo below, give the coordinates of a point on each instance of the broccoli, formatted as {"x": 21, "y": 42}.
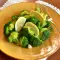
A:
{"x": 13, "y": 37}
{"x": 39, "y": 26}
{"x": 14, "y": 17}
{"x": 24, "y": 12}
{"x": 44, "y": 23}
{"x": 24, "y": 41}
{"x": 38, "y": 9}
{"x": 24, "y": 32}
{"x": 35, "y": 41}
{"x": 32, "y": 19}
{"x": 45, "y": 35}
{"x": 47, "y": 24}
{"x": 8, "y": 28}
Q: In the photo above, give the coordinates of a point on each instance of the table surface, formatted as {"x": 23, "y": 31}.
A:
{"x": 55, "y": 56}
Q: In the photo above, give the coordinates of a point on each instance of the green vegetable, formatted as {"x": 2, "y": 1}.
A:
{"x": 34, "y": 31}
{"x": 34, "y": 41}
{"x": 9, "y": 27}
{"x": 24, "y": 12}
{"x": 43, "y": 29}
{"x": 14, "y": 17}
{"x": 13, "y": 37}
{"x": 45, "y": 35}
{"x": 33, "y": 20}
{"x": 24, "y": 41}
{"x": 38, "y": 9}
{"x": 6, "y": 30}
{"x": 47, "y": 24}
{"x": 44, "y": 23}
{"x": 24, "y": 32}
{"x": 39, "y": 26}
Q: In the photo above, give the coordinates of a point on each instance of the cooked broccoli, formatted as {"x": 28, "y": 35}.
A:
{"x": 45, "y": 34}
{"x": 47, "y": 24}
{"x": 24, "y": 12}
{"x": 39, "y": 26}
{"x": 8, "y": 28}
{"x": 26, "y": 32}
{"x": 44, "y": 23}
{"x": 38, "y": 9}
{"x": 14, "y": 17}
{"x": 32, "y": 19}
{"x": 13, "y": 37}
{"x": 34, "y": 41}
{"x": 24, "y": 41}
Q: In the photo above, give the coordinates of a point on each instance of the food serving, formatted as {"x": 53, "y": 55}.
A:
{"x": 27, "y": 30}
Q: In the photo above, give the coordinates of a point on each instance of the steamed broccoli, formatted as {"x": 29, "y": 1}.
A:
{"x": 47, "y": 24}
{"x": 24, "y": 12}
{"x": 14, "y": 17}
{"x": 39, "y": 26}
{"x": 38, "y": 9}
{"x": 26, "y": 32}
{"x": 24, "y": 41}
{"x": 13, "y": 37}
{"x": 8, "y": 28}
{"x": 32, "y": 19}
{"x": 35, "y": 41}
{"x": 45, "y": 35}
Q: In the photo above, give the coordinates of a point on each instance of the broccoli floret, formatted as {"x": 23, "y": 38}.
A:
{"x": 34, "y": 41}
{"x": 14, "y": 17}
{"x": 38, "y": 9}
{"x": 8, "y": 28}
{"x": 32, "y": 19}
{"x": 44, "y": 23}
{"x": 39, "y": 26}
{"x": 11, "y": 26}
{"x": 47, "y": 24}
{"x": 26, "y": 32}
{"x": 24, "y": 41}
{"x": 45, "y": 35}
{"x": 13, "y": 37}
{"x": 24, "y": 12}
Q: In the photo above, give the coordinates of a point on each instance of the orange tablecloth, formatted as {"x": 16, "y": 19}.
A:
{"x": 55, "y": 56}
